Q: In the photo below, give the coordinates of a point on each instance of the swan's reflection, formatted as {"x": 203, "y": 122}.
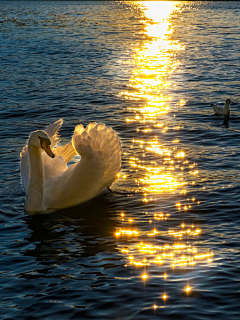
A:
{"x": 82, "y": 231}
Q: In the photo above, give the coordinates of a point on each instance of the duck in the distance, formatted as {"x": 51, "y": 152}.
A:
{"x": 50, "y": 184}
{"x": 222, "y": 111}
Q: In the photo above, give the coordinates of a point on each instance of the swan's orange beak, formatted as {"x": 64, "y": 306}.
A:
{"x": 47, "y": 149}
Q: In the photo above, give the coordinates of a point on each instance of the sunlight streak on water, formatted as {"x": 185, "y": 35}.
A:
{"x": 158, "y": 168}
{"x": 153, "y": 62}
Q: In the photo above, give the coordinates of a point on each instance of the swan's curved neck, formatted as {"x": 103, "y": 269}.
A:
{"x": 34, "y": 200}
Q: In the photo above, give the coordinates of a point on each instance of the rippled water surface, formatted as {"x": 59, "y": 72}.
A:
{"x": 165, "y": 243}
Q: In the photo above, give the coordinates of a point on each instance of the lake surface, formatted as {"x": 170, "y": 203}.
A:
{"x": 165, "y": 243}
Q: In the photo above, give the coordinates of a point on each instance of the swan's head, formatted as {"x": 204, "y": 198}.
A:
{"x": 40, "y": 139}
{"x": 228, "y": 101}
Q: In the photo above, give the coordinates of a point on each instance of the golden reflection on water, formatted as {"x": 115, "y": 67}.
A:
{"x": 178, "y": 254}
{"x": 158, "y": 167}
{"x": 154, "y": 61}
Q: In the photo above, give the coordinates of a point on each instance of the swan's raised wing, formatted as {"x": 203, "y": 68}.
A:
{"x": 53, "y": 134}
{"x": 67, "y": 151}
{"x": 100, "y": 163}
{"x": 97, "y": 143}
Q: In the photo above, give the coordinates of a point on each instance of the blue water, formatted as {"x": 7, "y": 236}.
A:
{"x": 150, "y": 70}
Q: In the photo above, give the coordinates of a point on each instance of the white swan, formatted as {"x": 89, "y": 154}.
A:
{"x": 222, "y": 111}
{"x": 47, "y": 180}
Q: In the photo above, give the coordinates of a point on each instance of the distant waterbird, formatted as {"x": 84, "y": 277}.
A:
{"x": 222, "y": 111}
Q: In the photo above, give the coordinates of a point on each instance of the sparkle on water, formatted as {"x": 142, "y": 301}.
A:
{"x": 170, "y": 171}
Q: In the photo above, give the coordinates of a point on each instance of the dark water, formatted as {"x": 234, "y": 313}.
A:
{"x": 150, "y": 70}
